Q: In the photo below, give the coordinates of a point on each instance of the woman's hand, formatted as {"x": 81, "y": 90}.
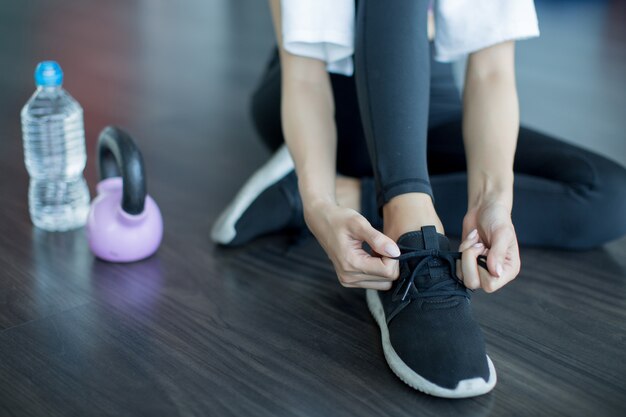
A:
{"x": 489, "y": 231}
{"x": 341, "y": 232}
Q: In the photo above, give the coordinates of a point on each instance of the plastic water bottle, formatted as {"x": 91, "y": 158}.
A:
{"x": 54, "y": 153}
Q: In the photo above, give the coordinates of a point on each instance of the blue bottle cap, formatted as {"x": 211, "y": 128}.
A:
{"x": 48, "y": 74}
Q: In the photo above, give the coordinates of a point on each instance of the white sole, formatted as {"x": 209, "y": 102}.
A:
{"x": 272, "y": 171}
{"x": 466, "y": 388}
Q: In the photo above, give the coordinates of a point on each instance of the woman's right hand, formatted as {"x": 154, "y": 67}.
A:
{"x": 341, "y": 232}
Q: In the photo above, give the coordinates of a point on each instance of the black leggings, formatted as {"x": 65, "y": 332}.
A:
{"x": 564, "y": 196}
{"x": 392, "y": 72}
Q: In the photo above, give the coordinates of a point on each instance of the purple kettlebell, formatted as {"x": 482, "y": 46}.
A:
{"x": 124, "y": 223}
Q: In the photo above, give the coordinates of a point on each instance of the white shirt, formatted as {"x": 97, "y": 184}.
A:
{"x": 324, "y": 29}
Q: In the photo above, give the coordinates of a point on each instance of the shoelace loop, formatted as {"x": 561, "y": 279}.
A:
{"x": 446, "y": 287}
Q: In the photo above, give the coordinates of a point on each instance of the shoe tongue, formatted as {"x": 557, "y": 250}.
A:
{"x": 427, "y": 238}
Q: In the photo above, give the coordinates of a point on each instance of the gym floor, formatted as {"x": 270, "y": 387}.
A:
{"x": 266, "y": 330}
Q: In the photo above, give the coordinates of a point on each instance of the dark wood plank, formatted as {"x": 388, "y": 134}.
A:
{"x": 266, "y": 329}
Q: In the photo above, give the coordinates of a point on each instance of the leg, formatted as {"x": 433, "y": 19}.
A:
{"x": 565, "y": 196}
{"x": 265, "y": 105}
{"x": 352, "y": 156}
{"x": 269, "y": 201}
{"x": 352, "y": 161}
{"x": 392, "y": 61}
{"x": 392, "y": 72}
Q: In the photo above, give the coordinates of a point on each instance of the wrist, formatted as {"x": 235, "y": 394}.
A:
{"x": 315, "y": 200}
{"x": 318, "y": 204}
{"x": 489, "y": 189}
{"x": 314, "y": 211}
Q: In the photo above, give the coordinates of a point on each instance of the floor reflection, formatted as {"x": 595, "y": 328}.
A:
{"x": 133, "y": 287}
{"x": 61, "y": 269}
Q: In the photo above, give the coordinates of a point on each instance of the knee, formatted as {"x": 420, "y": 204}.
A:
{"x": 264, "y": 110}
{"x": 605, "y": 216}
{"x": 614, "y": 178}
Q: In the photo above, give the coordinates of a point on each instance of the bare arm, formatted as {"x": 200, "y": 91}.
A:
{"x": 490, "y": 129}
{"x": 308, "y": 121}
{"x": 490, "y": 122}
{"x": 307, "y": 112}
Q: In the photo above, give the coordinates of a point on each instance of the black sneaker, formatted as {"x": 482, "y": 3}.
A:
{"x": 430, "y": 339}
{"x": 268, "y": 202}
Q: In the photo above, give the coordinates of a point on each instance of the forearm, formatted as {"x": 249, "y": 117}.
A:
{"x": 309, "y": 129}
{"x": 307, "y": 114}
{"x": 490, "y": 127}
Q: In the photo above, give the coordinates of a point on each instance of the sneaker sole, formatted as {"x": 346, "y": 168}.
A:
{"x": 466, "y": 388}
{"x": 223, "y": 231}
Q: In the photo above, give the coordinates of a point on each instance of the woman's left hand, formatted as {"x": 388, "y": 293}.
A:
{"x": 488, "y": 230}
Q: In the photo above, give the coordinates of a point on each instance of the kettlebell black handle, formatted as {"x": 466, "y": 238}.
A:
{"x": 118, "y": 155}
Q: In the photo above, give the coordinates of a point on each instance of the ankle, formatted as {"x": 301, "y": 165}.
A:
{"x": 409, "y": 212}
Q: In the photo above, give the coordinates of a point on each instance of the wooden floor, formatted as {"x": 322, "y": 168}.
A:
{"x": 266, "y": 330}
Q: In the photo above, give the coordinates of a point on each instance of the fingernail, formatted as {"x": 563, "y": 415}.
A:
{"x": 478, "y": 245}
{"x": 499, "y": 270}
{"x": 472, "y": 234}
{"x": 392, "y": 250}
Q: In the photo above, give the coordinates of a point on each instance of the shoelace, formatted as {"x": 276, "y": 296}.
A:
{"x": 446, "y": 287}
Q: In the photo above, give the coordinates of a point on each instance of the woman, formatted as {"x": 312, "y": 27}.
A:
{"x": 320, "y": 112}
